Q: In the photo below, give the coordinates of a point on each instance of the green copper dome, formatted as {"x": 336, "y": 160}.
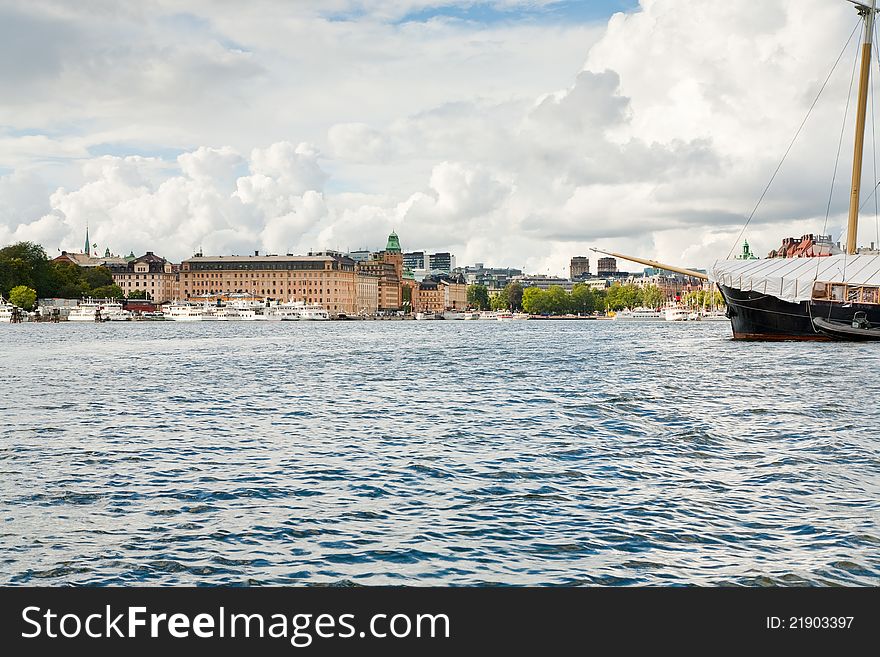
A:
{"x": 393, "y": 243}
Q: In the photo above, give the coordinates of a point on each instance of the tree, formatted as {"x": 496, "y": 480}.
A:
{"x": 478, "y": 297}
{"x": 514, "y": 293}
{"x": 65, "y": 280}
{"x": 620, "y": 296}
{"x": 557, "y": 301}
{"x": 108, "y": 292}
{"x": 24, "y": 263}
{"x": 534, "y": 301}
{"x": 23, "y": 296}
{"x": 583, "y": 300}
{"x": 406, "y": 299}
{"x": 97, "y": 276}
{"x": 498, "y": 301}
{"x": 652, "y": 296}
{"x": 138, "y": 294}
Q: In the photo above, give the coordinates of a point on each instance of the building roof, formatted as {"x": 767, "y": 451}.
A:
{"x": 393, "y": 243}
{"x": 267, "y": 258}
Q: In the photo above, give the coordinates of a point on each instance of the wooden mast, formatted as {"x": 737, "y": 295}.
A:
{"x": 867, "y": 13}
{"x": 656, "y": 265}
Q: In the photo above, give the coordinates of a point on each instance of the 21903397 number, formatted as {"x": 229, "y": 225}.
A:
{"x": 820, "y": 622}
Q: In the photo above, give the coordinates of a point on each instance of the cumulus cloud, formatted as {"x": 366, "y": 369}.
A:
{"x": 516, "y": 142}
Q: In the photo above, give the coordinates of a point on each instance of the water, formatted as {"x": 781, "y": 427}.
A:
{"x": 435, "y": 453}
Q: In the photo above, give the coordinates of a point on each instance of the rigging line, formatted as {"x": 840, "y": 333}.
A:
{"x": 794, "y": 139}
{"x": 839, "y": 146}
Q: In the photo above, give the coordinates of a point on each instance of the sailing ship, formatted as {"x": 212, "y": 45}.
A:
{"x": 824, "y": 297}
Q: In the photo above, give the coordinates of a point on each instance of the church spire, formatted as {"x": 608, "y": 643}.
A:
{"x": 86, "y": 249}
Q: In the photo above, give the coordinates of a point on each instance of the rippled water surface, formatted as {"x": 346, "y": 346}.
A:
{"x": 426, "y": 453}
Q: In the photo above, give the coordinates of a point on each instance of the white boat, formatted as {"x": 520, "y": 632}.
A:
{"x": 512, "y": 317}
{"x": 714, "y": 316}
{"x": 640, "y": 315}
{"x": 453, "y": 314}
{"x": 6, "y": 310}
{"x": 675, "y": 314}
{"x": 86, "y": 311}
{"x": 472, "y": 315}
{"x": 249, "y": 310}
{"x": 113, "y": 311}
{"x": 183, "y": 312}
{"x": 426, "y": 316}
{"x": 299, "y": 311}
{"x": 153, "y": 315}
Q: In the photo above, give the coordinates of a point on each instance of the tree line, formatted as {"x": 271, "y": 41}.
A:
{"x": 25, "y": 265}
{"x": 582, "y": 299}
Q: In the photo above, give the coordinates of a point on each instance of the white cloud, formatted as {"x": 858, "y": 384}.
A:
{"x": 517, "y": 142}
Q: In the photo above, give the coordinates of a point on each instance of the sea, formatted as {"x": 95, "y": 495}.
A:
{"x": 453, "y": 453}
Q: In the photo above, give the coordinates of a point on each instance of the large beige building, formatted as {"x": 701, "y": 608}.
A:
{"x": 329, "y": 279}
{"x": 367, "y": 293}
{"x": 149, "y": 273}
{"x": 438, "y": 293}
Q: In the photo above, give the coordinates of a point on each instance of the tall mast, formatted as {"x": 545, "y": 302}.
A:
{"x": 867, "y": 13}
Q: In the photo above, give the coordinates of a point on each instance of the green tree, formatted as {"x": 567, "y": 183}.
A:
{"x": 97, "y": 276}
{"x": 65, "y": 280}
{"x": 557, "y": 301}
{"x": 620, "y": 296}
{"x": 514, "y": 293}
{"x": 534, "y": 301}
{"x": 406, "y": 299}
{"x": 583, "y": 300}
{"x": 108, "y": 292}
{"x": 23, "y": 296}
{"x": 498, "y": 301}
{"x": 138, "y": 294}
{"x": 24, "y": 263}
{"x": 652, "y": 296}
{"x": 478, "y": 297}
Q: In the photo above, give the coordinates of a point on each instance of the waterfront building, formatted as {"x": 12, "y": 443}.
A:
{"x": 360, "y": 255}
{"x": 606, "y": 267}
{"x": 579, "y": 267}
{"x": 367, "y": 293}
{"x": 149, "y": 273}
{"x": 387, "y": 266}
{"x": 440, "y": 292}
{"x": 330, "y": 280}
{"x": 806, "y": 246}
{"x": 543, "y": 282}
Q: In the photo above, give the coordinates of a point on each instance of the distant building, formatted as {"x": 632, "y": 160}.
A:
{"x": 359, "y": 256}
{"x": 387, "y": 266}
{"x": 606, "y": 267}
{"x": 330, "y": 280}
{"x": 443, "y": 262}
{"x": 543, "y": 282}
{"x": 441, "y": 292}
{"x": 415, "y": 260}
{"x": 494, "y": 278}
{"x": 149, "y": 273}
{"x": 746, "y": 252}
{"x": 579, "y": 267}
{"x": 806, "y": 246}
{"x": 367, "y": 293}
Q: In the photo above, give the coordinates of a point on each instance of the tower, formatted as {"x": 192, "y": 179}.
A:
{"x": 86, "y": 248}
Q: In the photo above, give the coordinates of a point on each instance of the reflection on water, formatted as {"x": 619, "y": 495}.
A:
{"x": 435, "y": 453}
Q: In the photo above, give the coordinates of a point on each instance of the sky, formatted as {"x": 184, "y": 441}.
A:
{"x": 510, "y": 132}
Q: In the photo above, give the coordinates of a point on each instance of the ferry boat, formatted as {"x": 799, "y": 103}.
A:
{"x": 640, "y": 315}
{"x": 113, "y": 311}
{"x": 6, "y": 310}
{"x": 512, "y": 317}
{"x": 428, "y": 316}
{"x": 179, "y": 311}
{"x": 300, "y": 311}
{"x": 87, "y": 311}
{"x": 676, "y": 314}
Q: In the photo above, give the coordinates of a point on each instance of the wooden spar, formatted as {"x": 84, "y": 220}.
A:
{"x": 852, "y": 230}
{"x": 654, "y": 263}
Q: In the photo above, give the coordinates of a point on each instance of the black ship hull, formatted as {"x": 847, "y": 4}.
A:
{"x": 756, "y": 316}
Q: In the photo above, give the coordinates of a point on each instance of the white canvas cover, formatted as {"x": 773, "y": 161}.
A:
{"x": 791, "y": 279}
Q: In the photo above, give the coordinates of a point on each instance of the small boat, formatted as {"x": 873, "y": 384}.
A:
{"x": 512, "y": 317}
{"x": 859, "y": 329}
{"x": 184, "y": 312}
{"x": 472, "y": 315}
{"x": 427, "y": 316}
